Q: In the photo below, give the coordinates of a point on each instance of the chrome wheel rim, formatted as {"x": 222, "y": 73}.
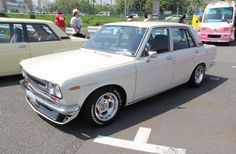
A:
{"x": 106, "y": 106}
{"x": 199, "y": 74}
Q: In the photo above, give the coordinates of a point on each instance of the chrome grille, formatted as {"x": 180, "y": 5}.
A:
{"x": 35, "y": 81}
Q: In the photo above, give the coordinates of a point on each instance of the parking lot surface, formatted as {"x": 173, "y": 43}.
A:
{"x": 198, "y": 120}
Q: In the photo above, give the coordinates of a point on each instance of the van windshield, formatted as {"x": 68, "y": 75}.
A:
{"x": 224, "y": 14}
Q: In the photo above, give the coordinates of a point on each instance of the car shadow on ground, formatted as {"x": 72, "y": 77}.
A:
{"x": 173, "y": 99}
{"x": 10, "y": 80}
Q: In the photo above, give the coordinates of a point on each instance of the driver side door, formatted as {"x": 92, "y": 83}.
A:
{"x": 155, "y": 74}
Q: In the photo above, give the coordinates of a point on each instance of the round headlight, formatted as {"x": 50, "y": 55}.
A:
{"x": 57, "y": 91}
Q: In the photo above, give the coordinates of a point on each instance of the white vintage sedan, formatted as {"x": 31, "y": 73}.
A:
{"x": 121, "y": 64}
{"x": 25, "y": 38}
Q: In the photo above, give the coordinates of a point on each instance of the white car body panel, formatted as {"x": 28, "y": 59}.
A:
{"x": 154, "y": 76}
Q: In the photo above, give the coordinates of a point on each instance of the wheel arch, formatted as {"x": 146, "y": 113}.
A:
{"x": 199, "y": 63}
{"x": 118, "y": 87}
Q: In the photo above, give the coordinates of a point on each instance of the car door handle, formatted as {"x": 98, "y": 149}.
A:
{"x": 22, "y": 46}
{"x": 169, "y": 57}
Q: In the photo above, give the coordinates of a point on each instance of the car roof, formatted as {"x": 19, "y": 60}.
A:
{"x": 55, "y": 28}
{"x": 148, "y": 24}
{"x": 4, "y": 19}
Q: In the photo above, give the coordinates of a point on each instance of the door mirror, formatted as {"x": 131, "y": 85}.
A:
{"x": 147, "y": 47}
{"x": 152, "y": 54}
{"x": 146, "y": 50}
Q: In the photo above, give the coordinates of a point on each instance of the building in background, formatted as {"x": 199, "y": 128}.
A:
{"x": 13, "y": 6}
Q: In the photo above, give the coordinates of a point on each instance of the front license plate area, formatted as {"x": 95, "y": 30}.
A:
{"x": 214, "y": 39}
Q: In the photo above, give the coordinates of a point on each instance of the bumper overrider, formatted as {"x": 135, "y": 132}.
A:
{"x": 49, "y": 110}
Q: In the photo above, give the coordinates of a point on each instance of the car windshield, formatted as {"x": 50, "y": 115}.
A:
{"x": 117, "y": 39}
{"x": 224, "y": 14}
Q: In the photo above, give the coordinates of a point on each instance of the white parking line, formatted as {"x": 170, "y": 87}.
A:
{"x": 142, "y": 135}
{"x": 139, "y": 143}
{"x": 233, "y": 66}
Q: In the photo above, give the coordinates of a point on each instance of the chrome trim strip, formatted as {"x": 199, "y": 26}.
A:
{"x": 48, "y": 118}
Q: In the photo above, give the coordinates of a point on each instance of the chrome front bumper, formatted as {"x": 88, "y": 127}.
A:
{"x": 44, "y": 107}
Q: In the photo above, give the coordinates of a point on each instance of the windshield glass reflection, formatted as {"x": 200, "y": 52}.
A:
{"x": 219, "y": 15}
{"x": 117, "y": 39}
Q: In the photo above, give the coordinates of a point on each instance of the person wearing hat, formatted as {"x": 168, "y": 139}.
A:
{"x": 76, "y": 23}
{"x": 60, "y": 20}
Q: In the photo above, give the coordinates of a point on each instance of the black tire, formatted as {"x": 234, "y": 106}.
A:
{"x": 94, "y": 105}
{"x": 197, "y": 76}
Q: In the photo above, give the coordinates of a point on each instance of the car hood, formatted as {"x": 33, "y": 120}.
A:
{"x": 60, "y": 67}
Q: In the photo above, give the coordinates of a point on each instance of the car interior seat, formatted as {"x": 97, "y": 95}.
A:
{"x": 160, "y": 44}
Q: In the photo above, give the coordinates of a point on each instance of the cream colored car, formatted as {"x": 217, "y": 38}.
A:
{"x": 25, "y": 38}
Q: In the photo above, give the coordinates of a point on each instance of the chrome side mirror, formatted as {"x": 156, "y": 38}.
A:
{"x": 146, "y": 50}
{"x": 151, "y": 55}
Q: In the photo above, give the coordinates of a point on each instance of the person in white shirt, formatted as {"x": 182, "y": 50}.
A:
{"x": 76, "y": 23}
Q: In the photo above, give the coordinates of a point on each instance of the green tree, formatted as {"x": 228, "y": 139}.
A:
{"x": 148, "y": 6}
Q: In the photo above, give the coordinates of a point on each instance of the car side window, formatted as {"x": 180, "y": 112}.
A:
{"x": 180, "y": 39}
{"x": 11, "y": 33}
{"x": 5, "y": 33}
{"x": 17, "y": 34}
{"x": 159, "y": 40}
{"x": 40, "y": 33}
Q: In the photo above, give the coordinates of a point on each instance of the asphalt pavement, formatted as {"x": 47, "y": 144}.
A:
{"x": 198, "y": 120}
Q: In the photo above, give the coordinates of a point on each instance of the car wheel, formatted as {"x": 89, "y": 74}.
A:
{"x": 197, "y": 76}
{"x": 102, "y": 106}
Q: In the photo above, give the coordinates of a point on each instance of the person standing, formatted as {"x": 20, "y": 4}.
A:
{"x": 130, "y": 18}
{"x": 145, "y": 18}
{"x": 76, "y": 23}
{"x": 60, "y": 20}
{"x": 182, "y": 19}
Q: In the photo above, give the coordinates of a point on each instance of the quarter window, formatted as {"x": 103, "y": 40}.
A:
{"x": 190, "y": 40}
{"x": 5, "y": 35}
{"x": 40, "y": 33}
